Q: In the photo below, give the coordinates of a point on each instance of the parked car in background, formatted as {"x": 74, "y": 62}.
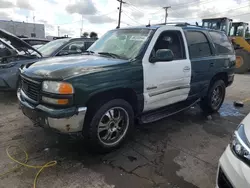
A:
{"x": 16, "y": 53}
{"x": 234, "y": 164}
{"x": 66, "y": 46}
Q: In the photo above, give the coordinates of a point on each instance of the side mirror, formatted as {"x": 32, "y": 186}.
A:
{"x": 61, "y": 53}
{"x": 163, "y": 55}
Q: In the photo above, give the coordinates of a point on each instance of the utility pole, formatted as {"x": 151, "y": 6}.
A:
{"x": 81, "y": 27}
{"x": 120, "y": 12}
{"x": 166, "y": 15}
{"x": 58, "y": 30}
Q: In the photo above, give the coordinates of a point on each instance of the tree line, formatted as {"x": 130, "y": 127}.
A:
{"x": 90, "y": 35}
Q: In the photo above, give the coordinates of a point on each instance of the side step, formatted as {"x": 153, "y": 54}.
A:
{"x": 167, "y": 111}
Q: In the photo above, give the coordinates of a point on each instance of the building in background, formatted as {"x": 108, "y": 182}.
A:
{"x": 23, "y": 29}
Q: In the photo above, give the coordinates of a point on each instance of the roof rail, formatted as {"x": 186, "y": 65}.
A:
{"x": 173, "y": 23}
{"x": 177, "y": 24}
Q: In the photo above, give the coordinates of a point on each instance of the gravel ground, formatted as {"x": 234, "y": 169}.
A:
{"x": 178, "y": 152}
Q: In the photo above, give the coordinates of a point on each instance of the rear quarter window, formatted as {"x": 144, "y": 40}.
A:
{"x": 198, "y": 44}
{"x": 221, "y": 42}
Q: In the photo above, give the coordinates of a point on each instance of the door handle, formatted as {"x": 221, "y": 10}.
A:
{"x": 186, "y": 69}
{"x": 211, "y": 64}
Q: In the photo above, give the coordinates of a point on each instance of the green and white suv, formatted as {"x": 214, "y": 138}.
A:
{"x": 144, "y": 73}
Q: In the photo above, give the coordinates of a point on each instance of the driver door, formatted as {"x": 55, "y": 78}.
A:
{"x": 166, "y": 82}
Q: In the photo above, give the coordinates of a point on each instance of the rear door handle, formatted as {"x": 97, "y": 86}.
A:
{"x": 186, "y": 69}
{"x": 211, "y": 64}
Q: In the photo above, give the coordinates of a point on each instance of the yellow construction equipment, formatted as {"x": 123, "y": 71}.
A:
{"x": 238, "y": 32}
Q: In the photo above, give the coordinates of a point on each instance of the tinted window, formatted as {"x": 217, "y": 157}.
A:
{"x": 88, "y": 44}
{"x": 4, "y": 51}
{"x": 198, "y": 44}
{"x": 221, "y": 42}
{"x": 171, "y": 40}
{"x": 74, "y": 48}
{"x": 49, "y": 48}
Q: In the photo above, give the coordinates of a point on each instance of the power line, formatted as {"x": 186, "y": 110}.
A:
{"x": 82, "y": 18}
{"x": 131, "y": 18}
{"x": 201, "y": 3}
{"x": 134, "y": 7}
{"x": 190, "y": 18}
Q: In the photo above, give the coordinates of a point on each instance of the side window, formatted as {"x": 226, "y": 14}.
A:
{"x": 198, "y": 44}
{"x": 173, "y": 41}
{"x": 75, "y": 47}
{"x": 88, "y": 44}
{"x": 222, "y": 44}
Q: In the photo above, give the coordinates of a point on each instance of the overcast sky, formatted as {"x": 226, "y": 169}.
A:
{"x": 102, "y": 15}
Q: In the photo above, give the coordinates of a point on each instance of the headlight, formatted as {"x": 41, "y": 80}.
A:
{"x": 57, "y": 87}
{"x": 239, "y": 144}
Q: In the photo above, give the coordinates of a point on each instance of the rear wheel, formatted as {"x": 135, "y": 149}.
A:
{"x": 215, "y": 97}
{"x": 108, "y": 126}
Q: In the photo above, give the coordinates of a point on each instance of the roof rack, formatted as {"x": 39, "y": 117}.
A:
{"x": 177, "y": 24}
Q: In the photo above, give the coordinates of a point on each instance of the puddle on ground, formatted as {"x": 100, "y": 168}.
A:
{"x": 228, "y": 109}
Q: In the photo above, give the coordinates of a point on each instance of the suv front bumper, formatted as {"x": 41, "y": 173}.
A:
{"x": 68, "y": 120}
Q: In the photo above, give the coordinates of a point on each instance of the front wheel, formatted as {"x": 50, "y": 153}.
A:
{"x": 108, "y": 126}
{"x": 215, "y": 97}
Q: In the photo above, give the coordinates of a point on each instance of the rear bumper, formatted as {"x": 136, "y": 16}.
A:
{"x": 66, "y": 121}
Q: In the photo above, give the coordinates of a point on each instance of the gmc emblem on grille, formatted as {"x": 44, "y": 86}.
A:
{"x": 25, "y": 87}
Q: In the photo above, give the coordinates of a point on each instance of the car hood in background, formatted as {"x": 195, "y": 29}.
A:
{"x": 16, "y": 42}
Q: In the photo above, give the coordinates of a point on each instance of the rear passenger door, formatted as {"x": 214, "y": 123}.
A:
{"x": 224, "y": 52}
{"x": 202, "y": 59}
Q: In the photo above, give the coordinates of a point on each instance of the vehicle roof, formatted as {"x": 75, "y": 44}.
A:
{"x": 37, "y": 39}
{"x": 80, "y": 38}
{"x": 183, "y": 26}
{"x": 240, "y": 23}
{"x": 220, "y": 18}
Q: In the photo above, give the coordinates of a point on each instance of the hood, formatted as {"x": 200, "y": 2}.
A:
{"x": 69, "y": 66}
{"x": 246, "y": 123}
{"x": 16, "y": 42}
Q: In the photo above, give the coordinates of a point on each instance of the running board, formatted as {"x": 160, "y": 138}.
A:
{"x": 167, "y": 111}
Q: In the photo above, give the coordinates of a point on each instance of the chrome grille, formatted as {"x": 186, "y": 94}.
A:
{"x": 31, "y": 88}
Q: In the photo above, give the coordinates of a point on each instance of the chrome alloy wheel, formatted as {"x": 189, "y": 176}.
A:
{"x": 113, "y": 126}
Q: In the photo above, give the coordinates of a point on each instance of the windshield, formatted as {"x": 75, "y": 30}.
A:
{"x": 50, "y": 47}
{"x": 124, "y": 43}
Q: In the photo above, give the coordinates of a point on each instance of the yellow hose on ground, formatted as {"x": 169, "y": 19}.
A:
{"x": 41, "y": 168}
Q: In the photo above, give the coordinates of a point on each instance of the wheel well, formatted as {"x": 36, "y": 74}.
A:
{"x": 127, "y": 94}
{"x": 220, "y": 76}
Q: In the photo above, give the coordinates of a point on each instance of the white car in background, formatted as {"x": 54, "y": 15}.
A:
{"x": 234, "y": 164}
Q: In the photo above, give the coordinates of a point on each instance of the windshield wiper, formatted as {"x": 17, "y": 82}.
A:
{"x": 88, "y": 52}
{"x": 111, "y": 55}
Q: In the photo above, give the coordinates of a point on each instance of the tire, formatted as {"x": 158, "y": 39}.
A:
{"x": 242, "y": 61}
{"x": 96, "y": 133}
{"x": 208, "y": 103}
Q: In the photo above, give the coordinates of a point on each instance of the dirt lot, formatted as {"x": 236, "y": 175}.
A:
{"x": 177, "y": 152}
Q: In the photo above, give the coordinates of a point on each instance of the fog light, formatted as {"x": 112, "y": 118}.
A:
{"x": 55, "y": 101}
{"x": 238, "y": 149}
